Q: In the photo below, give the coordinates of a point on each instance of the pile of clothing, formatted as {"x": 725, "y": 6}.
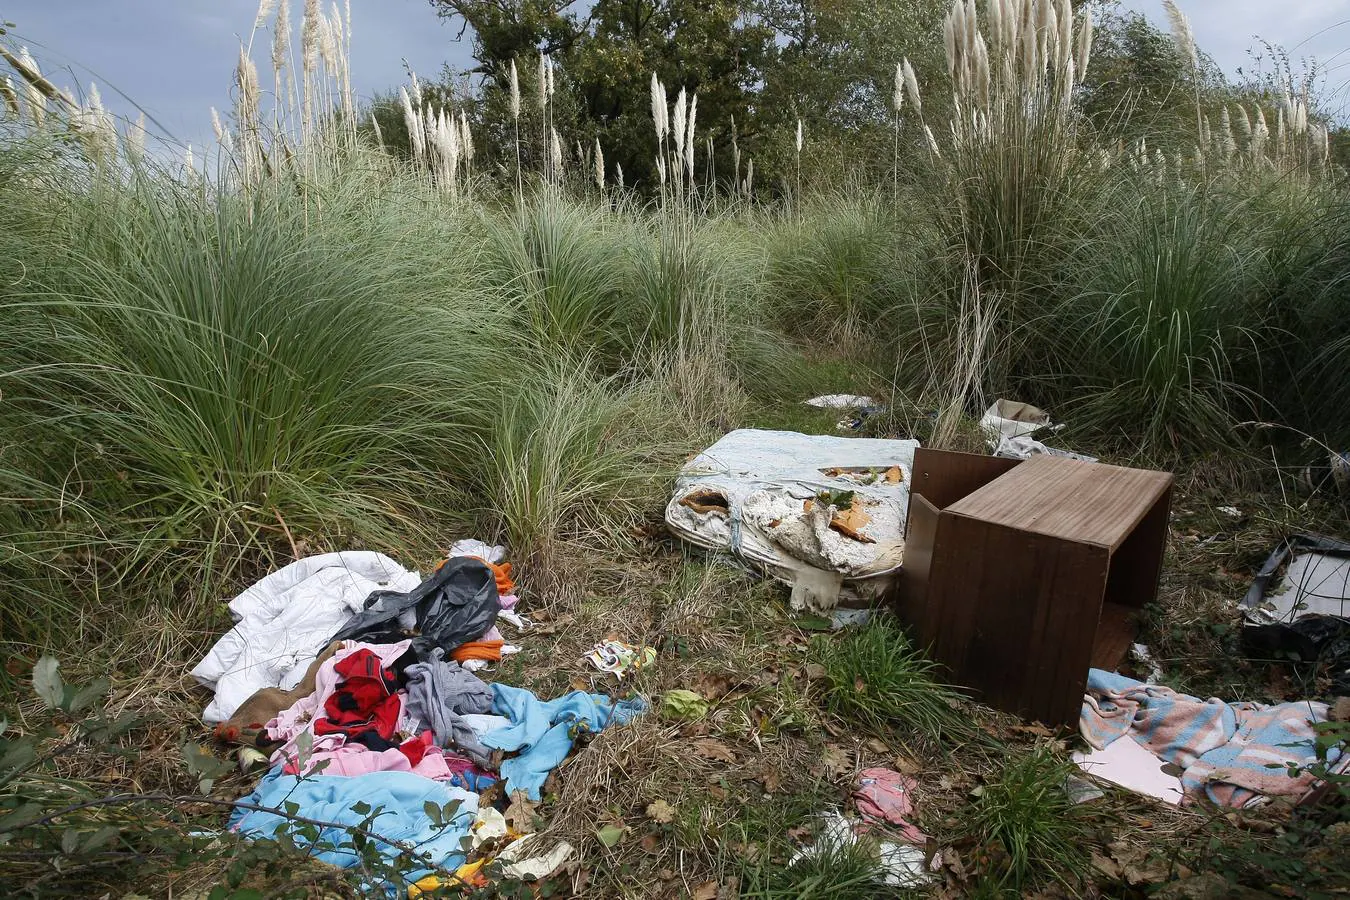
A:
{"x": 1233, "y": 754}
{"x": 356, "y": 679}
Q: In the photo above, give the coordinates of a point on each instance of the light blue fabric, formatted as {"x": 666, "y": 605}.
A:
{"x": 330, "y": 798}
{"x": 544, "y": 731}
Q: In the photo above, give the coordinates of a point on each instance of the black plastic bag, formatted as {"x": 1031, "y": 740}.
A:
{"x": 1312, "y": 640}
{"x": 456, "y": 604}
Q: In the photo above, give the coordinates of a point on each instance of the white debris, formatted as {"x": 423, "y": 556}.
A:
{"x": 840, "y": 401}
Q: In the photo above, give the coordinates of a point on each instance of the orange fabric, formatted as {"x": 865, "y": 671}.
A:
{"x": 489, "y": 650}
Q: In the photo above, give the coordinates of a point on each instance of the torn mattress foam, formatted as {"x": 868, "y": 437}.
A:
{"x": 818, "y": 509}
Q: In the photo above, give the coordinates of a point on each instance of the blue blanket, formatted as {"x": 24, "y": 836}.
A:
{"x": 545, "y": 731}
{"x": 401, "y": 796}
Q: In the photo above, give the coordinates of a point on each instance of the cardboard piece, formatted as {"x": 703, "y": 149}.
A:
{"x": 1129, "y": 764}
{"x": 1020, "y": 576}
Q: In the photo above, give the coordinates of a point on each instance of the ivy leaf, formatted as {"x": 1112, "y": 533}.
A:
{"x": 610, "y": 835}
{"x": 47, "y": 682}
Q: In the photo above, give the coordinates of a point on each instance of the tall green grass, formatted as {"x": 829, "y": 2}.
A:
{"x": 325, "y": 346}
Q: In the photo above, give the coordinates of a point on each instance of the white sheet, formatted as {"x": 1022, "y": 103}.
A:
{"x": 287, "y": 618}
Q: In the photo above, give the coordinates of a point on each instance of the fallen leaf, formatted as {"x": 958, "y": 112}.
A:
{"x": 610, "y": 835}
{"x": 705, "y": 891}
{"x": 1035, "y": 728}
{"x": 520, "y": 813}
{"x": 712, "y": 687}
{"x": 660, "y": 811}
{"x": 580, "y": 684}
{"x": 895, "y": 475}
{"x": 905, "y": 765}
{"x": 815, "y": 671}
{"x": 859, "y": 685}
{"x": 851, "y": 522}
{"x": 838, "y": 760}
{"x": 771, "y": 781}
{"x": 1107, "y": 866}
{"x": 650, "y": 842}
{"x": 1340, "y": 710}
{"x": 877, "y": 746}
{"x": 665, "y": 874}
{"x": 712, "y": 749}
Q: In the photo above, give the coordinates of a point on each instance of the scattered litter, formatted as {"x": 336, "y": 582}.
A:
{"x": 841, "y": 617}
{"x": 884, "y": 795}
{"x": 840, "y": 401}
{"x": 488, "y": 827}
{"x": 1129, "y": 764}
{"x": 1080, "y": 790}
{"x": 1010, "y": 419}
{"x": 1144, "y": 657}
{"x": 1024, "y": 447}
{"x": 748, "y": 494}
{"x": 620, "y": 659}
{"x": 1324, "y": 640}
{"x": 682, "y": 704}
{"x": 1233, "y": 754}
{"x": 898, "y": 865}
{"x": 1317, "y": 581}
{"x": 533, "y": 868}
{"x": 1230, "y": 511}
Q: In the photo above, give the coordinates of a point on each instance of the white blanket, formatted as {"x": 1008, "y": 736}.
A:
{"x": 287, "y": 618}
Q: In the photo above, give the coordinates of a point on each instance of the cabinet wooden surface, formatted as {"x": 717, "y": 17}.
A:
{"x": 1020, "y": 576}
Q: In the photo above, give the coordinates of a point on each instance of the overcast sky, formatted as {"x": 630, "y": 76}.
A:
{"x": 175, "y": 57}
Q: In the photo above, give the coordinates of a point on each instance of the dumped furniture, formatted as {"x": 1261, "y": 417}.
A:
{"x": 1020, "y": 576}
{"x": 824, "y": 514}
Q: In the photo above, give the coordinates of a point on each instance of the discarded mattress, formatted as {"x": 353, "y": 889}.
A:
{"x": 286, "y": 620}
{"x": 823, "y": 513}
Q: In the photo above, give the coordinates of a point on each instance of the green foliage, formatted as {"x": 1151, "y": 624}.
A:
{"x": 1028, "y": 826}
{"x": 876, "y": 678}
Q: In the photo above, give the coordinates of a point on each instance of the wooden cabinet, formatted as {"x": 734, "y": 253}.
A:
{"x": 1020, "y": 576}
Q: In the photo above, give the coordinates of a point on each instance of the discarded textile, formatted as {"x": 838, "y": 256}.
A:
{"x": 400, "y": 795}
{"x": 458, "y": 603}
{"x": 884, "y": 795}
{"x": 620, "y": 659}
{"x": 249, "y": 723}
{"x": 304, "y": 715}
{"x": 487, "y": 651}
{"x": 544, "y": 731}
{"x": 898, "y": 865}
{"x": 490, "y": 552}
{"x": 439, "y": 694}
{"x": 286, "y": 619}
{"x": 1224, "y": 748}
{"x": 365, "y": 707}
{"x": 747, "y": 494}
{"x": 413, "y": 755}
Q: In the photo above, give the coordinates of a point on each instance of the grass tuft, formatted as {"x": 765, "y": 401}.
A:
{"x": 876, "y": 678}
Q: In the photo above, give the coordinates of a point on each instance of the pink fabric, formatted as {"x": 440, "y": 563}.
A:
{"x": 291, "y": 723}
{"x": 508, "y": 602}
{"x": 354, "y": 759}
{"x": 884, "y": 795}
{"x": 492, "y": 634}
